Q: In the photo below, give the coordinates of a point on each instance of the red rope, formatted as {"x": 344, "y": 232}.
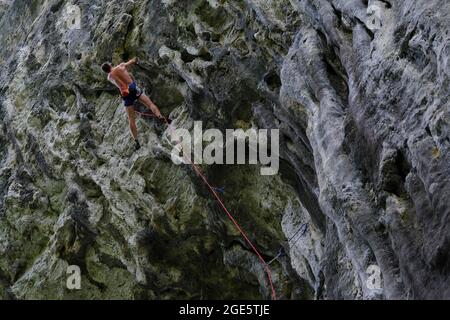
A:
{"x": 230, "y": 216}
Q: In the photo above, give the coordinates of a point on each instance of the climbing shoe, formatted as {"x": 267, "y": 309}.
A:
{"x": 137, "y": 145}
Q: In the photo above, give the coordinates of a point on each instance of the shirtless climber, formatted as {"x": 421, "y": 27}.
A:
{"x": 130, "y": 92}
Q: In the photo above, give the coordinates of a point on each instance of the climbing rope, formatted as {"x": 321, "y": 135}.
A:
{"x": 281, "y": 252}
{"x": 150, "y": 115}
{"x": 214, "y": 191}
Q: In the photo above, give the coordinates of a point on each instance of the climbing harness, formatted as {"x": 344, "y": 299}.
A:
{"x": 215, "y": 192}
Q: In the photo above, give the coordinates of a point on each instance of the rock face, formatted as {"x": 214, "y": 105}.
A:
{"x": 358, "y": 89}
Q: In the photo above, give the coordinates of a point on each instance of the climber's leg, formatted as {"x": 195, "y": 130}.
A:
{"x": 149, "y": 104}
{"x": 132, "y": 121}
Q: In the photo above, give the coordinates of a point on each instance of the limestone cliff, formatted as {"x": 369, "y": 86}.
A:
{"x": 358, "y": 89}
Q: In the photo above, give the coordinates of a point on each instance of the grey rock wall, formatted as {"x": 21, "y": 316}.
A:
{"x": 358, "y": 89}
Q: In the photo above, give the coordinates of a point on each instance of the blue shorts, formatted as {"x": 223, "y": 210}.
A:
{"x": 134, "y": 94}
